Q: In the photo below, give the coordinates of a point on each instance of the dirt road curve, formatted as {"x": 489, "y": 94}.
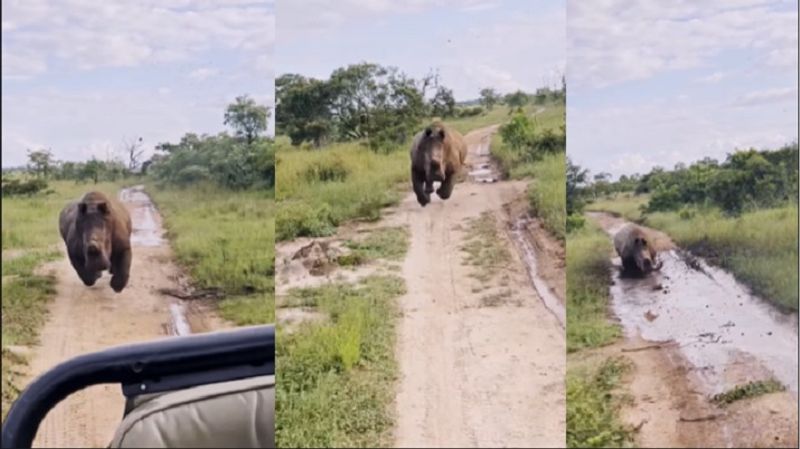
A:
{"x": 85, "y": 319}
{"x": 474, "y": 375}
{"x": 714, "y": 336}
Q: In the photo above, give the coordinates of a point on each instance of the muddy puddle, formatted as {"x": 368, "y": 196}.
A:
{"x": 727, "y": 335}
{"x": 148, "y": 233}
{"x": 528, "y": 253}
{"x": 481, "y": 170}
{"x": 147, "y": 230}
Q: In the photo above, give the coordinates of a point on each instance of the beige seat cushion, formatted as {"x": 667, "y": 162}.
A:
{"x": 228, "y": 414}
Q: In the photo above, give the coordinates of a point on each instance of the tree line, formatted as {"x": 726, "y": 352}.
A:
{"x": 380, "y": 105}
{"x": 244, "y": 159}
{"x": 745, "y": 180}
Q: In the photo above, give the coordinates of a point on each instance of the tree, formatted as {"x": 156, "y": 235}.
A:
{"x": 516, "y": 100}
{"x": 489, "y": 98}
{"x": 247, "y": 118}
{"x": 443, "y": 103}
{"x": 41, "y": 162}
{"x": 576, "y": 177}
{"x": 133, "y": 152}
{"x": 92, "y": 170}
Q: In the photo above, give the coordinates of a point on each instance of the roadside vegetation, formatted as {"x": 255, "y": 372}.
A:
{"x": 532, "y": 145}
{"x": 748, "y": 390}
{"x": 336, "y": 379}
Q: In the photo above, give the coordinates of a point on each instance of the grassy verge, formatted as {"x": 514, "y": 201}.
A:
{"x": 748, "y": 390}
{"x": 547, "y": 191}
{"x": 588, "y": 265}
{"x": 225, "y": 240}
{"x": 335, "y": 385}
{"x": 758, "y": 247}
{"x": 498, "y": 114}
{"x": 318, "y": 190}
{"x": 29, "y": 239}
{"x": 593, "y": 404}
{"x": 385, "y": 243}
{"x": 626, "y": 205}
{"x": 482, "y": 248}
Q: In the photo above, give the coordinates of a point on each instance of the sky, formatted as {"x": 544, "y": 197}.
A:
{"x": 654, "y": 83}
{"x": 83, "y": 76}
{"x": 504, "y": 44}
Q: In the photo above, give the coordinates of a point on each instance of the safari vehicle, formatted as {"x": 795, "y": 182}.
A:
{"x": 206, "y": 390}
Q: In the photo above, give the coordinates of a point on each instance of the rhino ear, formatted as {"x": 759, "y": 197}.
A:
{"x": 441, "y": 134}
{"x": 82, "y": 208}
{"x": 428, "y": 132}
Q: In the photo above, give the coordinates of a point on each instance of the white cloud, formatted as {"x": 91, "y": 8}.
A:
{"x": 767, "y": 96}
{"x": 712, "y": 78}
{"x": 613, "y": 41}
{"x": 203, "y": 73}
{"x": 94, "y": 33}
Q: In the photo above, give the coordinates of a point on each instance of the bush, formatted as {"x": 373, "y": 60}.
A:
{"x": 301, "y": 219}
{"x": 16, "y": 187}
{"x": 575, "y": 222}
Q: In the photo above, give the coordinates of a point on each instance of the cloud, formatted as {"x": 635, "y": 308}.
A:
{"x": 613, "y": 41}
{"x": 713, "y": 78}
{"x": 87, "y": 34}
{"x": 203, "y": 73}
{"x": 766, "y": 96}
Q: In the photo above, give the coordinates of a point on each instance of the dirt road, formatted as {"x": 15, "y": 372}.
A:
{"x": 711, "y": 335}
{"x": 85, "y": 319}
{"x": 474, "y": 373}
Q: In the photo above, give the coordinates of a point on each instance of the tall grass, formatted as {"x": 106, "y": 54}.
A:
{"x": 547, "y": 193}
{"x": 759, "y": 247}
{"x": 498, "y": 114}
{"x": 226, "y": 240}
{"x": 318, "y": 190}
{"x": 588, "y": 265}
{"x": 626, "y": 205}
{"x": 335, "y": 378}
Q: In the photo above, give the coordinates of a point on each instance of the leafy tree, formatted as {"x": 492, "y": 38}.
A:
{"x": 247, "y": 118}
{"x": 489, "y": 98}
{"x": 443, "y": 103}
{"x": 41, "y": 162}
{"x": 516, "y": 100}
{"x": 576, "y": 178}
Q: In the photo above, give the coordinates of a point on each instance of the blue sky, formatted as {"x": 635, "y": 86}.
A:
{"x": 505, "y": 44}
{"x": 82, "y": 76}
{"x": 659, "y": 82}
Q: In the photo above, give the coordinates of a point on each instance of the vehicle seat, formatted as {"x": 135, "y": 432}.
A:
{"x": 238, "y": 413}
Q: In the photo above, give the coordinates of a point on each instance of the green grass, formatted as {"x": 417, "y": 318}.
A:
{"x": 594, "y": 400}
{"x": 226, "y": 241}
{"x": 588, "y": 276}
{"x": 498, "y": 114}
{"x": 385, "y": 243}
{"x": 312, "y": 202}
{"x": 625, "y": 205}
{"x": 547, "y": 193}
{"x": 748, "y": 390}
{"x": 335, "y": 381}
{"x": 30, "y": 235}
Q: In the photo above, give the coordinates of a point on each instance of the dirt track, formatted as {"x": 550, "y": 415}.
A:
{"x": 692, "y": 332}
{"x": 473, "y": 375}
{"x": 85, "y": 319}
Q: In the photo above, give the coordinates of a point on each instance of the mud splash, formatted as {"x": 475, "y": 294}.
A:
{"x": 147, "y": 230}
{"x": 728, "y": 335}
{"x": 528, "y": 254}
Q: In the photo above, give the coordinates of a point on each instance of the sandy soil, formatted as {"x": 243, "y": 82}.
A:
{"x": 692, "y": 331}
{"x": 86, "y": 319}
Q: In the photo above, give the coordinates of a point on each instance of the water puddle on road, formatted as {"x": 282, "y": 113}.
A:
{"x": 550, "y": 300}
{"x": 147, "y": 229}
{"x": 147, "y": 232}
{"x": 728, "y": 335}
{"x": 481, "y": 170}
